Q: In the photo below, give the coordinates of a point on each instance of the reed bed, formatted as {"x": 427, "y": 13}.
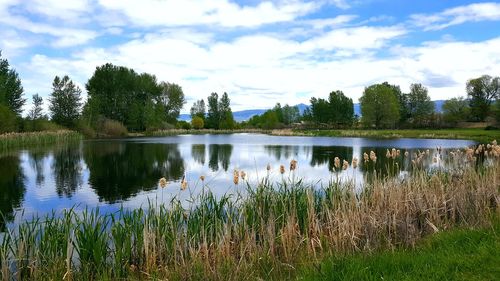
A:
{"x": 262, "y": 234}
{"x": 15, "y": 140}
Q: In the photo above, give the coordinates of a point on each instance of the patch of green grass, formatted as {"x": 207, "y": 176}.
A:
{"x": 479, "y": 135}
{"x": 460, "y": 254}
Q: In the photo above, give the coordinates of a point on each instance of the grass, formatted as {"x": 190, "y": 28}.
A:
{"x": 461, "y": 254}
{"x": 479, "y": 135}
{"x": 17, "y": 140}
{"x": 271, "y": 232}
{"x": 174, "y": 132}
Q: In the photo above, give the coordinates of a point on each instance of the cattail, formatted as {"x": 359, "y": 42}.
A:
{"x": 202, "y": 178}
{"x": 398, "y": 152}
{"x": 243, "y": 175}
{"x": 163, "y": 182}
{"x": 282, "y": 169}
{"x": 337, "y": 162}
{"x": 293, "y": 165}
{"x": 393, "y": 153}
{"x": 184, "y": 183}
{"x": 407, "y": 153}
{"x": 365, "y": 157}
{"x": 236, "y": 177}
{"x": 434, "y": 159}
{"x": 494, "y": 142}
{"x": 388, "y": 154}
{"x": 268, "y": 168}
{"x": 345, "y": 165}
{"x": 373, "y": 156}
{"x": 354, "y": 163}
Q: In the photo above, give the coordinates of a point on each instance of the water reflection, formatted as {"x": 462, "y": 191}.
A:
{"x": 119, "y": 170}
{"x": 114, "y": 172}
{"x": 67, "y": 169}
{"x": 220, "y": 156}
{"x": 12, "y": 186}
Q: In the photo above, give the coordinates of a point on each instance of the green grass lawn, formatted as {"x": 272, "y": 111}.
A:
{"x": 479, "y": 135}
{"x": 452, "y": 255}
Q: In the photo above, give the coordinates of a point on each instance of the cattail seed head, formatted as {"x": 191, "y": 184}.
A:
{"x": 282, "y": 169}
{"x": 293, "y": 165}
{"x": 202, "y": 178}
{"x": 354, "y": 163}
{"x": 345, "y": 165}
{"x": 162, "y": 182}
{"x": 337, "y": 162}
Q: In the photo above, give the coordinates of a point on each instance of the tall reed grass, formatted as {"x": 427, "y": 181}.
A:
{"x": 15, "y": 140}
{"x": 261, "y": 234}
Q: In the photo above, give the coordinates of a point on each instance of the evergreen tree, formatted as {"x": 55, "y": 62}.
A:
{"x": 65, "y": 102}
{"x": 11, "y": 90}
{"x": 226, "y": 115}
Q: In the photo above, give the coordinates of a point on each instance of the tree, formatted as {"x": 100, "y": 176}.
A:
{"x": 341, "y": 108}
{"x": 36, "y": 111}
{"x": 419, "y": 105}
{"x": 198, "y": 109}
{"x": 482, "y": 92}
{"x": 11, "y": 90}
{"x": 65, "y": 102}
{"x": 197, "y": 122}
{"x": 291, "y": 114}
{"x": 8, "y": 120}
{"x": 380, "y": 106}
{"x": 172, "y": 100}
{"x": 213, "y": 115}
{"x": 226, "y": 115}
{"x": 456, "y": 110}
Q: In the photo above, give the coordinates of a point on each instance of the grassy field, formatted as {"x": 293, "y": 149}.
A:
{"x": 18, "y": 140}
{"x": 275, "y": 231}
{"x": 479, "y": 135}
{"x": 460, "y": 254}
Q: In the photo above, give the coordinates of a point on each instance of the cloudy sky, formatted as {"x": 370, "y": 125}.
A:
{"x": 260, "y": 52}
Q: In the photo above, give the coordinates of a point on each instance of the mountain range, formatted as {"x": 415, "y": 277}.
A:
{"x": 244, "y": 115}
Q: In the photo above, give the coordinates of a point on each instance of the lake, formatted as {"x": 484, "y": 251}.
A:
{"x": 124, "y": 172}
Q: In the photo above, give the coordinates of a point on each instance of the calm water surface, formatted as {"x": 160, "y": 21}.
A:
{"x": 125, "y": 172}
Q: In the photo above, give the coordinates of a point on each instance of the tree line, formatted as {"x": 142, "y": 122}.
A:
{"x": 119, "y": 100}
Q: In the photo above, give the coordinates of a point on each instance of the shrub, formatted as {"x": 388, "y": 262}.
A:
{"x": 197, "y": 123}
{"x": 8, "y": 120}
{"x": 111, "y": 128}
{"x": 183, "y": 125}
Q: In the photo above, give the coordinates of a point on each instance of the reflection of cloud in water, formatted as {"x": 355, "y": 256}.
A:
{"x": 115, "y": 173}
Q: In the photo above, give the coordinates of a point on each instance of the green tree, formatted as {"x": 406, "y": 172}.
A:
{"x": 482, "y": 92}
{"x": 320, "y": 109}
{"x": 8, "y": 120}
{"x": 65, "y": 102}
{"x": 11, "y": 90}
{"x": 341, "y": 108}
{"x": 420, "y": 107}
{"x": 213, "y": 116}
{"x": 172, "y": 100}
{"x": 380, "y": 106}
{"x": 36, "y": 112}
{"x": 456, "y": 110}
{"x": 198, "y": 109}
{"x": 291, "y": 114}
{"x": 226, "y": 114}
{"x": 197, "y": 122}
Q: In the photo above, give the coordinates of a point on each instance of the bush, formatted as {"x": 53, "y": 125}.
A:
{"x": 111, "y": 128}
{"x": 8, "y": 120}
{"x": 183, "y": 125}
{"x": 197, "y": 123}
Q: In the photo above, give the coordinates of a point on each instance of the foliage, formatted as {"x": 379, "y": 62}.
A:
{"x": 65, "y": 102}
{"x": 337, "y": 110}
{"x": 420, "y": 107}
{"x": 482, "y": 92}
{"x": 171, "y": 99}
{"x": 275, "y": 118}
{"x": 111, "y": 128}
{"x": 456, "y": 110}
{"x": 35, "y": 112}
{"x": 220, "y": 115}
{"x": 198, "y": 109}
{"x": 380, "y": 107}
{"x": 213, "y": 116}
{"x": 8, "y": 120}
{"x": 197, "y": 122}
{"x": 11, "y": 90}
{"x": 183, "y": 125}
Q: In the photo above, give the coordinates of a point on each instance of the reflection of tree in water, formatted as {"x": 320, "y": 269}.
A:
{"x": 219, "y": 154}
{"x": 11, "y": 187}
{"x": 326, "y": 154}
{"x": 37, "y": 159}
{"x": 67, "y": 167}
{"x": 284, "y": 151}
{"x": 198, "y": 153}
{"x": 119, "y": 170}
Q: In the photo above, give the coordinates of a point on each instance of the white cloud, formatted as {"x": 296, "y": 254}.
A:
{"x": 198, "y": 12}
{"x": 458, "y": 15}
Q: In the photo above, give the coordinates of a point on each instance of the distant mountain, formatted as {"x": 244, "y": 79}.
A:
{"x": 244, "y": 115}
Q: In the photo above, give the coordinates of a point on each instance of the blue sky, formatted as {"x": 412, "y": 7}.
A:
{"x": 260, "y": 52}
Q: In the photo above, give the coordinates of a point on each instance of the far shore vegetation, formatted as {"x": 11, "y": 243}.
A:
{"x": 122, "y": 102}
